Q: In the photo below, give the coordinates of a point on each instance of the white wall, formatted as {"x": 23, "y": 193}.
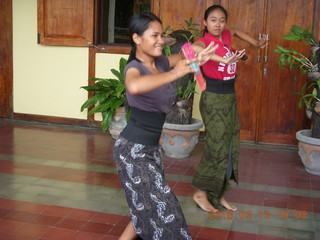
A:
{"x": 47, "y": 79}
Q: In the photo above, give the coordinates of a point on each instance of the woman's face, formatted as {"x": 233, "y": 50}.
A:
{"x": 151, "y": 42}
{"x": 216, "y": 22}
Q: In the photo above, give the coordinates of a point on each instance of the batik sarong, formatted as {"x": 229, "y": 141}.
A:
{"x": 220, "y": 116}
{"x": 155, "y": 211}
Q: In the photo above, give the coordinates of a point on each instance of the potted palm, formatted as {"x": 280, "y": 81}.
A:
{"x": 309, "y": 139}
{"x": 180, "y": 131}
{"x": 108, "y": 99}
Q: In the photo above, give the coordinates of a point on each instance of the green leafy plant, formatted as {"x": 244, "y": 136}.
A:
{"x": 108, "y": 95}
{"x": 304, "y": 35}
{"x": 190, "y": 26}
{"x": 309, "y": 94}
{"x": 292, "y": 59}
{"x": 187, "y": 91}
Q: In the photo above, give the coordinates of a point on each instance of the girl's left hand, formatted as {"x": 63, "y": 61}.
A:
{"x": 206, "y": 54}
{"x": 235, "y": 57}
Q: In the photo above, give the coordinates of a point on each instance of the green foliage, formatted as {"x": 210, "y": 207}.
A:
{"x": 304, "y": 35}
{"x": 293, "y": 59}
{"x": 109, "y": 94}
{"x": 190, "y": 26}
{"x": 187, "y": 92}
{"x": 169, "y": 41}
{"x": 308, "y": 99}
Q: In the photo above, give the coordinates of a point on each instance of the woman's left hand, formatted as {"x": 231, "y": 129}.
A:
{"x": 263, "y": 41}
{"x": 206, "y": 54}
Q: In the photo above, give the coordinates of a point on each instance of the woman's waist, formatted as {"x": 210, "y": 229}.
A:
{"x": 144, "y": 127}
{"x": 220, "y": 86}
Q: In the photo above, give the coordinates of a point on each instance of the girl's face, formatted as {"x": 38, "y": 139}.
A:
{"x": 216, "y": 22}
{"x": 151, "y": 42}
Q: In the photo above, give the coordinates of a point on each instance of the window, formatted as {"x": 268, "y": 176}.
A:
{"x": 113, "y": 19}
{"x": 71, "y": 22}
{"x": 65, "y": 23}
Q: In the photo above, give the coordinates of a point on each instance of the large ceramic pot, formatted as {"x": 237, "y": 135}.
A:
{"x": 178, "y": 140}
{"x": 309, "y": 151}
{"x": 118, "y": 122}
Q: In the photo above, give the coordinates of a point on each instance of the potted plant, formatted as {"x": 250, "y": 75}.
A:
{"x": 309, "y": 139}
{"x": 108, "y": 99}
{"x": 180, "y": 131}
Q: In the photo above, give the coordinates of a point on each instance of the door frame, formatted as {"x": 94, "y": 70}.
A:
{"x": 6, "y": 60}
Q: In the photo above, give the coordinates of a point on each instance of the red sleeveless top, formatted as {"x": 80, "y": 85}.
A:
{"x": 218, "y": 70}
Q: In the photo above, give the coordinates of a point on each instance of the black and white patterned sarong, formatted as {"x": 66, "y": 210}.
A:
{"x": 155, "y": 211}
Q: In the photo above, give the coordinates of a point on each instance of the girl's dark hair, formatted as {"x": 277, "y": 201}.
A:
{"x": 211, "y": 9}
{"x": 138, "y": 24}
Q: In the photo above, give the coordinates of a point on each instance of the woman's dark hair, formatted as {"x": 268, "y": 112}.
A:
{"x": 211, "y": 9}
{"x": 138, "y": 24}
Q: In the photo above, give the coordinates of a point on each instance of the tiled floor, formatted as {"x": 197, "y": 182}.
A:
{"x": 60, "y": 183}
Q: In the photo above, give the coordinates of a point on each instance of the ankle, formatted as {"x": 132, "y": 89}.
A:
{"x": 200, "y": 194}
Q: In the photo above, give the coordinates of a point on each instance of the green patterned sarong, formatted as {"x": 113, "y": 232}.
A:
{"x": 222, "y": 144}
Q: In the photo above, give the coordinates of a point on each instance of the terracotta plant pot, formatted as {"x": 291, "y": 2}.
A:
{"x": 178, "y": 140}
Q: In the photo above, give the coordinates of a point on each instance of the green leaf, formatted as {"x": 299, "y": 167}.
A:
{"x": 118, "y": 103}
{"x": 167, "y": 50}
{"x": 283, "y": 49}
{"x": 101, "y": 108}
{"x": 314, "y": 93}
{"x": 291, "y": 37}
{"x": 120, "y": 90}
{"x": 116, "y": 73}
{"x": 300, "y": 103}
{"x": 296, "y": 29}
{"x": 107, "y": 118}
{"x": 123, "y": 63}
{"x": 90, "y": 102}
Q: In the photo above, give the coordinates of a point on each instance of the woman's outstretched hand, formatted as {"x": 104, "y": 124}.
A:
{"x": 206, "y": 54}
{"x": 236, "y": 57}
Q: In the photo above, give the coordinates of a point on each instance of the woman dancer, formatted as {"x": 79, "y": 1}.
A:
{"x": 218, "y": 108}
{"x": 155, "y": 210}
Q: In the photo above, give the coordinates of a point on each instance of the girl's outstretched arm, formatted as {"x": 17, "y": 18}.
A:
{"x": 199, "y": 46}
{"x": 261, "y": 43}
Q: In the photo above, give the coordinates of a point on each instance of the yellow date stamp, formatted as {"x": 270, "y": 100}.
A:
{"x": 284, "y": 214}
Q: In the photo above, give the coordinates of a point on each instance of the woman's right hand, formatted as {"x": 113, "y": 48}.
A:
{"x": 183, "y": 68}
{"x": 206, "y": 54}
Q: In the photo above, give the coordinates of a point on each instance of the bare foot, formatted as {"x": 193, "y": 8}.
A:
{"x": 200, "y": 197}
{"x": 227, "y": 205}
{"x": 129, "y": 233}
